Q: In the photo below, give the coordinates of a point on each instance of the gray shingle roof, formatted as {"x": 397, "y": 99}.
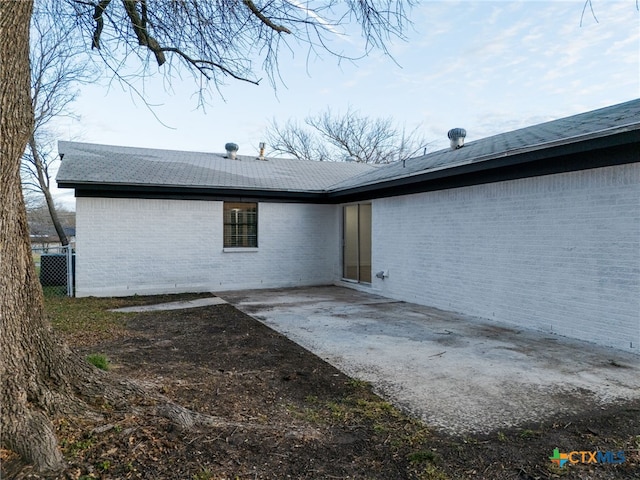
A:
{"x": 86, "y": 164}
{"x": 600, "y": 122}
{"x": 89, "y": 164}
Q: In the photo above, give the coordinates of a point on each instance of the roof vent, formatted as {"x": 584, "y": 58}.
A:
{"x": 456, "y": 135}
{"x": 231, "y": 149}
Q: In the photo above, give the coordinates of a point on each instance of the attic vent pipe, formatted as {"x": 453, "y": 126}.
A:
{"x": 456, "y": 135}
{"x": 231, "y": 149}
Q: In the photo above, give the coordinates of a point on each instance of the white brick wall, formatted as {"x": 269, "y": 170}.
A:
{"x": 559, "y": 253}
{"x": 138, "y": 246}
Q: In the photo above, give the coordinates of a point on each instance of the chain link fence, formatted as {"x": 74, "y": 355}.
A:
{"x": 55, "y": 266}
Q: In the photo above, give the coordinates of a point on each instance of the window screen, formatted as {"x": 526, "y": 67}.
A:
{"x": 240, "y": 224}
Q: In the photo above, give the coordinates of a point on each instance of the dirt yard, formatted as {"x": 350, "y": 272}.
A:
{"x": 288, "y": 414}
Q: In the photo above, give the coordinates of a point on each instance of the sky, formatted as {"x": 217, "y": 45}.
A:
{"x": 486, "y": 66}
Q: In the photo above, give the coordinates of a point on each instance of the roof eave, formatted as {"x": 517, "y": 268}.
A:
{"x": 577, "y": 153}
{"x": 114, "y": 190}
{"x": 510, "y": 165}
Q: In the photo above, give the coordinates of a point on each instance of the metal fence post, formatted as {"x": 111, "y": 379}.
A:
{"x": 69, "y": 270}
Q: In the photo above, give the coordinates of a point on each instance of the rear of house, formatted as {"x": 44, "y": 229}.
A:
{"x": 156, "y": 221}
{"x": 128, "y": 246}
{"x": 539, "y": 227}
{"x": 559, "y": 253}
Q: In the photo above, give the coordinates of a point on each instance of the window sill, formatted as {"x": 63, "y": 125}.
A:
{"x": 239, "y": 249}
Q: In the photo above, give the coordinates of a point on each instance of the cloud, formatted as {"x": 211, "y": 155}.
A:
{"x": 314, "y": 15}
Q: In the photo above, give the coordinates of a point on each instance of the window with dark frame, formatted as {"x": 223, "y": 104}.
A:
{"x": 240, "y": 225}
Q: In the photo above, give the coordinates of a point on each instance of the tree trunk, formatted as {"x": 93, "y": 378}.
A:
{"x": 43, "y": 181}
{"x": 41, "y": 376}
{"x": 33, "y": 365}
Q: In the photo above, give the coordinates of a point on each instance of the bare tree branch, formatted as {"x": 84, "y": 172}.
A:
{"x": 220, "y": 39}
{"x": 139, "y": 27}
{"x": 589, "y": 3}
{"x": 44, "y": 183}
{"x": 97, "y": 16}
{"x": 263, "y": 19}
{"x": 203, "y": 65}
{"x": 350, "y": 136}
{"x": 56, "y": 74}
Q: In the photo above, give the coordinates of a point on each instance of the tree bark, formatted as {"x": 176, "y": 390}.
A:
{"x": 41, "y": 377}
{"x": 33, "y": 365}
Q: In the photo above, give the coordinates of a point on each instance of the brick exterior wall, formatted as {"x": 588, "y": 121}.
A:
{"x": 139, "y": 246}
{"x": 559, "y": 253}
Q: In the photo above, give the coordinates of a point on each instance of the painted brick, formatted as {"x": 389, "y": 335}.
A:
{"x": 558, "y": 253}
{"x": 140, "y": 246}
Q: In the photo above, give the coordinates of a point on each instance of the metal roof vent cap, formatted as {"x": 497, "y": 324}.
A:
{"x": 456, "y": 135}
{"x": 231, "y": 149}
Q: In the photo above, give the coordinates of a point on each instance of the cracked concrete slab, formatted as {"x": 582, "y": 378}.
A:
{"x": 458, "y": 373}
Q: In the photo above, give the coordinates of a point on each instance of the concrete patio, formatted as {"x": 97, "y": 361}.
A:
{"x": 458, "y": 373}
